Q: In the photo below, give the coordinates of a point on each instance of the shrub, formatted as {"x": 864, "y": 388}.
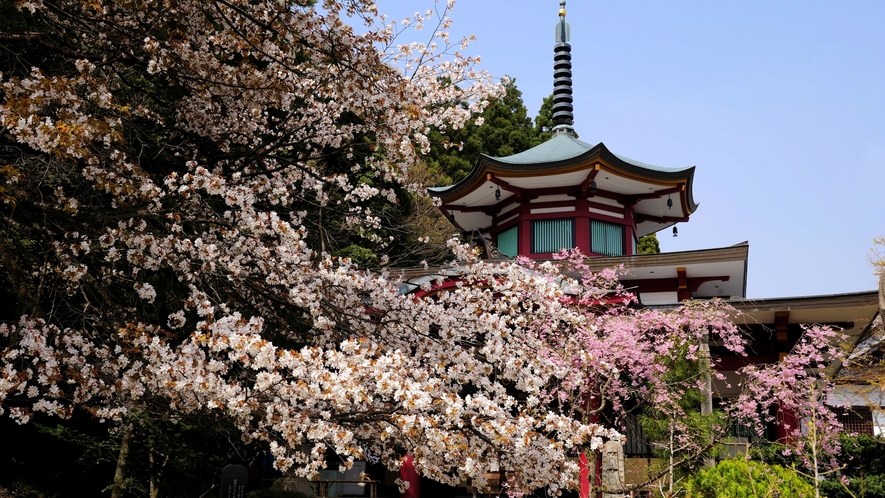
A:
{"x": 742, "y": 478}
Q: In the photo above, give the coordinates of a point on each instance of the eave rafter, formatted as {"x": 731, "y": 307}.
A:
{"x": 639, "y": 217}
{"x": 469, "y": 209}
{"x": 506, "y": 186}
{"x": 630, "y": 200}
{"x": 523, "y": 195}
{"x": 587, "y": 187}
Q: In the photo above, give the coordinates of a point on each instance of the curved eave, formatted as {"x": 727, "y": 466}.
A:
{"x": 562, "y": 163}
{"x": 518, "y": 165}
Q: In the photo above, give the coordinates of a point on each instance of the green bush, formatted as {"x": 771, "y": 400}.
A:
{"x": 275, "y": 493}
{"x": 863, "y": 461}
{"x": 747, "y": 479}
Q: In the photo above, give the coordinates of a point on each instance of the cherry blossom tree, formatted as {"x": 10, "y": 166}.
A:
{"x": 172, "y": 174}
{"x": 618, "y": 360}
{"x": 794, "y": 393}
{"x": 876, "y": 257}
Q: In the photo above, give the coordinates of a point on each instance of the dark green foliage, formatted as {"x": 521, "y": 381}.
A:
{"x": 544, "y": 120}
{"x": 20, "y": 489}
{"x": 35, "y": 463}
{"x": 506, "y": 130}
{"x": 862, "y": 462}
{"x": 696, "y": 432}
{"x": 76, "y": 457}
{"x": 95, "y": 449}
{"x": 183, "y": 456}
{"x": 362, "y": 256}
{"x": 275, "y": 493}
{"x": 649, "y": 244}
{"x": 743, "y": 478}
{"x": 774, "y": 454}
{"x": 863, "y": 458}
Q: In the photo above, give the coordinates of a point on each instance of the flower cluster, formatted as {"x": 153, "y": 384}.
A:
{"x": 173, "y": 170}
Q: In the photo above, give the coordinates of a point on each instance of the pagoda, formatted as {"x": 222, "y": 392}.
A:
{"x": 566, "y": 193}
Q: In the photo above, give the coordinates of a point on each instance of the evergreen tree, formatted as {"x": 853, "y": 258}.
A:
{"x": 863, "y": 469}
{"x": 543, "y": 129}
{"x": 503, "y": 129}
{"x": 649, "y": 244}
{"x": 544, "y": 121}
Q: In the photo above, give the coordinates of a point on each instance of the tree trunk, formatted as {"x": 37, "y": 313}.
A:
{"x": 154, "y": 486}
{"x": 672, "y": 474}
{"x": 707, "y": 402}
{"x": 119, "y": 473}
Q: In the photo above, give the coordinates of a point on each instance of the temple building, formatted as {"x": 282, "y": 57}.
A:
{"x": 566, "y": 193}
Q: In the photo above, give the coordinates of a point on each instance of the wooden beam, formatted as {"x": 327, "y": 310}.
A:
{"x": 450, "y": 214}
{"x": 781, "y": 325}
{"x": 468, "y": 209}
{"x": 506, "y": 186}
{"x": 639, "y": 217}
{"x": 682, "y": 292}
{"x": 672, "y": 284}
{"x": 584, "y": 187}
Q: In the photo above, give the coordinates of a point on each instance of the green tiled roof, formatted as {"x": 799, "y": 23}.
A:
{"x": 558, "y": 148}
{"x": 564, "y": 147}
{"x": 562, "y": 151}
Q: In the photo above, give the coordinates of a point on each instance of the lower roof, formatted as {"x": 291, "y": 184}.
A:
{"x": 718, "y": 272}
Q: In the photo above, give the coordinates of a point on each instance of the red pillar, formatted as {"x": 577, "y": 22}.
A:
{"x": 682, "y": 292}
{"x": 408, "y": 474}
{"x": 525, "y": 231}
{"x": 787, "y": 423}
{"x": 584, "y": 476}
{"x": 592, "y": 403}
{"x": 630, "y": 232}
{"x": 582, "y": 226}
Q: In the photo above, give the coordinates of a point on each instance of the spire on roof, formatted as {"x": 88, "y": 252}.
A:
{"x": 563, "y": 30}
{"x": 563, "y": 119}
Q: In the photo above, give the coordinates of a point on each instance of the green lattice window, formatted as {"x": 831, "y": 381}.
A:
{"x": 606, "y": 238}
{"x": 552, "y": 235}
{"x": 508, "y": 242}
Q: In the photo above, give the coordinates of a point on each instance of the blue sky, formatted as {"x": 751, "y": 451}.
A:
{"x": 780, "y": 105}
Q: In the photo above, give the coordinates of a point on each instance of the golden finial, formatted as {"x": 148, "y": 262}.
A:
{"x": 563, "y": 30}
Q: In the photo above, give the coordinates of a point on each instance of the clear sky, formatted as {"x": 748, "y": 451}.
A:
{"x": 779, "y": 104}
